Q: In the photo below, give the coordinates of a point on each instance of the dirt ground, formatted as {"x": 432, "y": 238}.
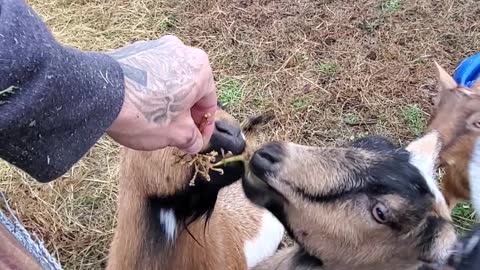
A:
{"x": 330, "y": 70}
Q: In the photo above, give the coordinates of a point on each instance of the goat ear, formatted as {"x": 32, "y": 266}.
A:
{"x": 424, "y": 153}
{"x": 444, "y": 79}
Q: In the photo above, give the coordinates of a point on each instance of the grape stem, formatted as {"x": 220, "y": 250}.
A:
{"x": 225, "y": 161}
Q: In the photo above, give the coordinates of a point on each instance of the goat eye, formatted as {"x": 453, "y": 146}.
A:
{"x": 379, "y": 213}
{"x": 476, "y": 124}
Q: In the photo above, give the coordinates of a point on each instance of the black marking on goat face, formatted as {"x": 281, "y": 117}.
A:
{"x": 391, "y": 173}
{"x": 374, "y": 143}
{"x": 429, "y": 233}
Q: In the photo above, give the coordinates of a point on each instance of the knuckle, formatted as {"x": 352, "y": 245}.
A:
{"x": 202, "y": 59}
{"x": 201, "y": 54}
{"x": 188, "y": 140}
{"x": 171, "y": 38}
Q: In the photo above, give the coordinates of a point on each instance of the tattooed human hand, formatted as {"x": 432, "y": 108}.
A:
{"x": 169, "y": 89}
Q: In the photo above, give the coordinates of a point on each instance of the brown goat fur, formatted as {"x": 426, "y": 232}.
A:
{"x": 207, "y": 233}
{"x": 327, "y": 199}
{"x": 456, "y": 116}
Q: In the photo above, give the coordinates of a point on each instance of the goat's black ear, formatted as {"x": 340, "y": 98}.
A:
{"x": 374, "y": 143}
{"x": 255, "y": 122}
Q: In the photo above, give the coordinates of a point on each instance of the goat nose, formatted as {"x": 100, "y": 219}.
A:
{"x": 228, "y": 137}
{"x": 266, "y": 159}
{"x": 227, "y": 129}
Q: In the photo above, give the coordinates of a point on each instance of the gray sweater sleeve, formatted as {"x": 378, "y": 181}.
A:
{"x": 55, "y": 102}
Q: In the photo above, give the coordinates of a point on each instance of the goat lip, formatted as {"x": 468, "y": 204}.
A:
{"x": 252, "y": 178}
{"x": 429, "y": 261}
{"x": 256, "y": 181}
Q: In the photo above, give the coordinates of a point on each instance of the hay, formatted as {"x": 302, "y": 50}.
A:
{"x": 202, "y": 165}
{"x": 318, "y": 64}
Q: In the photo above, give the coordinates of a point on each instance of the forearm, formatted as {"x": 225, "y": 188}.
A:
{"x": 55, "y": 102}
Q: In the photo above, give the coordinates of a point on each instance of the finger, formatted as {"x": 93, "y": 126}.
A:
{"x": 206, "y": 106}
{"x": 195, "y": 144}
{"x": 185, "y": 135}
{"x": 171, "y": 38}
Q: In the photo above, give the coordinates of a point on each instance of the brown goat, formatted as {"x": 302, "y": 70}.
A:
{"x": 164, "y": 223}
{"x": 456, "y": 116}
{"x": 365, "y": 206}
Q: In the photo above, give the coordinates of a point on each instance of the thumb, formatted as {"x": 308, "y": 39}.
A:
{"x": 188, "y": 137}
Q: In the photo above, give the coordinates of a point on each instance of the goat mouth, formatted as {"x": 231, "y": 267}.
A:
{"x": 259, "y": 191}
{"x": 256, "y": 182}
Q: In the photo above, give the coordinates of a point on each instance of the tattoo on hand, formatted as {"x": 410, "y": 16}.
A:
{"x": 159, "y": 76}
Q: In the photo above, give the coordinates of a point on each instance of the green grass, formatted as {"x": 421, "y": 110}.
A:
{"x": 168, "y": 23}
{"x": 464, "y": 217}
{"x": 415, "y": 119}
{"x": 327, "y": 67}
{"x": 370, "y": 26}
{"x": 230, "y": 91}
{"x": 300, "y": 103}
{"x": 390, "y": 6}
{"x": 351, "y": 118}
{"x": 90, "y": 202}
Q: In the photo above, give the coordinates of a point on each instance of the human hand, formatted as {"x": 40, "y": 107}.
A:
{"x": 169, "y": 89}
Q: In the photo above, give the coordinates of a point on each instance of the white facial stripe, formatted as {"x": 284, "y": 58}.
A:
{"x": 169, "y": 223}
{"x": 474, "y": 176}
{"x": 265, "y": 242}
{"x": 424, "y": 154}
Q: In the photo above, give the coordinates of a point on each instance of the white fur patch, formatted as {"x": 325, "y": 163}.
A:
{"x": 169, "y": 223}
{"x": 266, "y": 242}
{"x": 424, "y": 154}
{"x": 243, "y": 136}
{"x": 474, "y": 176}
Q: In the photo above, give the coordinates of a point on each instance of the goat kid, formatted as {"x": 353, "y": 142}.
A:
{"x": 456, "y": 116}
{"x": 366, "y": 206}
{"x": 164, "y": 223}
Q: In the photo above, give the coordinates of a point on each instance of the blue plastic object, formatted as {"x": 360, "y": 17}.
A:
{"x": 468, "y": 71}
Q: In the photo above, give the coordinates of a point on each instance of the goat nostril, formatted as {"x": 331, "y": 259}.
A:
{"x": 268, "y": 156}
{"x": 265, "y": 158}
{"x": 225, "y": 128}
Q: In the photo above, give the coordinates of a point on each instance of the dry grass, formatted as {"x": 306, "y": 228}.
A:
{"x": 332, "y": 71}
